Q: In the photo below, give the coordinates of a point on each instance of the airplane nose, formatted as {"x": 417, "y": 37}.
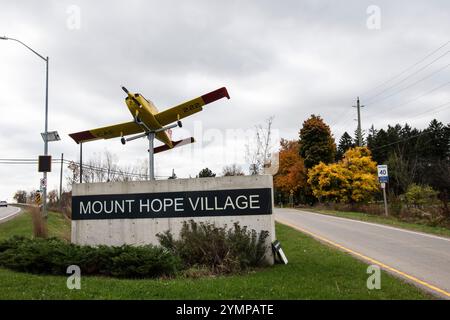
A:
{"x": 125, "y": 89}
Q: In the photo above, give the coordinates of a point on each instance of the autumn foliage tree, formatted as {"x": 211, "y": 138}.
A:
{"x": 316, "y": 143}
{"x": 291, "y": 173}
{"x": 206, "y": 173}
{"x": 353, "y": 179}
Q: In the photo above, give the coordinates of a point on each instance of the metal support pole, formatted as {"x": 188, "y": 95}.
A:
{"x": 60, "y": 177}
{"x": 151, "y": 162}
{"x": 81, "y": 162}
{"x": 385, "y": 201}
{"x": 151, "y": 152}
{"x": 44, "y": 207}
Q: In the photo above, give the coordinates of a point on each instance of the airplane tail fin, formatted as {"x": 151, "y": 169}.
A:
{"x": 176, "y": 144}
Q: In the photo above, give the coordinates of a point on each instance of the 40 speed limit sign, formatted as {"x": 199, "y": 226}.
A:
{"x": 383, "y": 176}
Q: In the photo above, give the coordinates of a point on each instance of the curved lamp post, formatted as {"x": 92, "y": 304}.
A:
{"x": 44, "y": 208}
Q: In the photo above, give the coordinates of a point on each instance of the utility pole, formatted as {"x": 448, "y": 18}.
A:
{"x": 60, "y": 177}
{"x": 358, "y": 131}
{"x": 81, "y": 162}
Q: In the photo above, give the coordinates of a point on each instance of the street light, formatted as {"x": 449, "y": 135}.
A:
{"x": 44, "y": 208}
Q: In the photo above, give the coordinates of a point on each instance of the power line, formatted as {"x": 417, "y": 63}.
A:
{"x": 91, "y": 167}
{"x": 107, "y": 170}
{"x": 420, "y": 96}
{"x": 409, "y": 76}
{"x": 446, "y": 105}
{"x": 407, "y": 69}
{"x": 411, "y": 85}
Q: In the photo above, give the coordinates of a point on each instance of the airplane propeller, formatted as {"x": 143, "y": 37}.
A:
{"x": 131, "y": 96}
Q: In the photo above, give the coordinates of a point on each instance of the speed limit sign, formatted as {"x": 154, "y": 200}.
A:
{"x": 383, "y": 175}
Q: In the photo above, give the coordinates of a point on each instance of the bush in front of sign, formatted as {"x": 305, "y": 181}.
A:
{"x": 53, "y": 256}
{"x": 219, "y": 249}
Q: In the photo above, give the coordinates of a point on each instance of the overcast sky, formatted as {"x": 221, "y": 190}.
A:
{"x": 288, "y": 59}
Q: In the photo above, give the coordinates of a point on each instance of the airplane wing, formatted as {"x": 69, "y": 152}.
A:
{"x": 190, "y": 107}
{"x": 118, "y": 130}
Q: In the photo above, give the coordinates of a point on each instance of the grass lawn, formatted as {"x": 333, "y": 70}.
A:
{"x": 392, "y": 221}
{"x": 315, "y": 271}
{"x": 58, "y": 226}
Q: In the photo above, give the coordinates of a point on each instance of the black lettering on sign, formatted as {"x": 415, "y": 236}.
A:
{"x": 173, "y": 204}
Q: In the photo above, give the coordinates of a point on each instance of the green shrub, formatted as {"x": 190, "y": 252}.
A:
{"x": 216, "y": 248}
{"x": 201, "y": 249}
{"x": 53, "y": 256}
{"x": 420, "y": 195}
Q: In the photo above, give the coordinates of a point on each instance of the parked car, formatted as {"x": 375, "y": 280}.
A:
{"x": 3, "y": 204}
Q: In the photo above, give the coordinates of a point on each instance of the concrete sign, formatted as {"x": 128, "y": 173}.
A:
{"x": 134, "y": 212}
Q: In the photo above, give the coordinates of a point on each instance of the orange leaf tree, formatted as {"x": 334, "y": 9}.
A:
{"x": 291, "y": 173}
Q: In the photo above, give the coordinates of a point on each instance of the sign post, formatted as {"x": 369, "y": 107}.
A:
{"x": 383, "y": 178}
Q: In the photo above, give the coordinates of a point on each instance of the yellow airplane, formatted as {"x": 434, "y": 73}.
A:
{"x": 146, "y": 119}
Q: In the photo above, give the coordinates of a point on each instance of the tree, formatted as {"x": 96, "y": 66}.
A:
{"x": 20, "y": 196}
{"x": 356, "y": 140}
{"x": 316, "y": 143}
{"x": 232, "y": 170}
{"x": 105, "y": 168}
{"x": 75, "y": 176}
{"x": 258, "y": 152}
{"x": 205, "y": 173}
{"x": 52, "y": 197}
{"x": 345, "y": 143}
{"x": 353, "y": 179}
{"x": 363, "y": 169}
{"x": 32, "y": 196}
{"x": 291, "y": 173}
{"x": 403, "y": 171}
{"x": 330, "y": 182}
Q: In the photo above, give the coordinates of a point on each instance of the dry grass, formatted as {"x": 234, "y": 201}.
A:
{"x": 40, "y": 229}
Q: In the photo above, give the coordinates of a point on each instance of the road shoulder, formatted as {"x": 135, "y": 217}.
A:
{"x": 12, "y": 215}
{"x": 382, "y": 221}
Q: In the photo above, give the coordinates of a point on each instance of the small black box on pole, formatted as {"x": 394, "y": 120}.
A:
{"x": 45, "y": 164}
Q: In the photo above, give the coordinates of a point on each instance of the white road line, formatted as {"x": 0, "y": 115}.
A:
{"x": 376, "y": 225}
{"x": 18, "y": 209}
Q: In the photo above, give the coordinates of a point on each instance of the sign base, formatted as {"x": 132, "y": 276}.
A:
{"x": 117, "y": 213}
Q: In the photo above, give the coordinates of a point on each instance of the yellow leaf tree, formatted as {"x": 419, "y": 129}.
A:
{"x": 353, "y": 179}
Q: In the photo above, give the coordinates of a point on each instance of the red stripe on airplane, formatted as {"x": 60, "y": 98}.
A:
{"x": 82, "y": 136}
{"x": 215, "y": 95}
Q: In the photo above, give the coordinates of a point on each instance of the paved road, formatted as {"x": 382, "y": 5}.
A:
{"x": 8, "y": 212}
{"x": 420, "y": 255}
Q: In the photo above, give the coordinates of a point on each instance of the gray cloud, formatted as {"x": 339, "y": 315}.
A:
{"x": 288, "y": 59}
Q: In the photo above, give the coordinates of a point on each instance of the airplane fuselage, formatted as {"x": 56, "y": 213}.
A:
{"x": 143, "y": 112}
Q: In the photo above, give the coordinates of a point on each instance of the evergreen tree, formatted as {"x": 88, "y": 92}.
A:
{"x": 345, "y": 143}
{"x": 316, "y": 143}
{"x": 363, "y": 140}
{"x": 205, "y": 173}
